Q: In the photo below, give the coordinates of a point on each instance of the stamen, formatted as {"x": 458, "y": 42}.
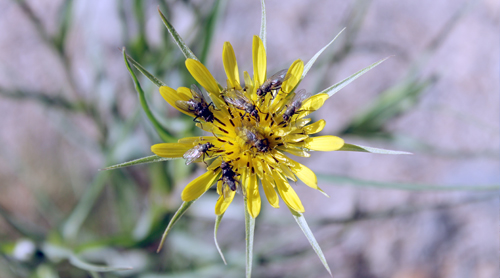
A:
{"x": 219, "y": 121}
{"x": 223, "y": 130}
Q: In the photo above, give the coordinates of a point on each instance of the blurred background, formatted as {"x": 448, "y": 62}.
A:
{"x": 68, "y": 108}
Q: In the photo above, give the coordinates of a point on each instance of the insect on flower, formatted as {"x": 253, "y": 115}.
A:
{"x": 273, "y": 83}
{"x": 293, "y": 107}
{"x": 197, "y": 152}
{"x": 254, "y": 138}
{"x": 240, "y": 101}
{"x": 197, "y": 105}
{"x": 228, "y": 176}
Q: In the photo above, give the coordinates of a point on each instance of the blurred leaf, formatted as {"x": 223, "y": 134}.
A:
{"x": 144, "y": 160}
{"x": 26, "y": 229}
{"x": 249, "y": 235}
{"x": 358, "y": 148}
{"x": 162, "y": 132}
{"x": 404, "y": 186}
{"x": 263, "y": 26}
{"x": 177, "y": 38}
{"x": 388, "y": 105}
{"x": 77, "y": 262}
{"x": 337, "y": 87}
{"x": 299, "y": 217}
{"x": 209, "y": 29}
{"x": 178, "y": 214}
{"x": 65, "y": 21}
{"x": 217, "y": 222}
{"x": 313, "y": 59}
{"x": 146, "y": 73}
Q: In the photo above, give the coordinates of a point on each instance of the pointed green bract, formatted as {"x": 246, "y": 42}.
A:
{"x": 249, "y": 233}
{"x": 162, "y": 132}
{"x": 217, "y": 222}
{"x": 263, "y": 27}
{"x": 177, "y": 38}
{"x": 178, "y": 214}
{"x": 144, "y": 160}
{"x": 146, "y": 73}
{"x": 358, "y": 148}
{"x": 405, "y": 186}
{"x": 337, "y": 87}
{"x": 309, "y": 64}
{"x": 299, "y": 217}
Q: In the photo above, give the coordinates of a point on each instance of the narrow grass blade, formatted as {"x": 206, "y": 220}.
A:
{"x": 337, "y": 87}
{"x": 146, "y": 73}
{"x": 144, "y": 160}
{"x": 217, "y": 222}
{"x": 162, "y": 132}
{"x": 249, "y": 233}
{"x": 358, "y": 148}
{"x": 178, "y": 214}
{"x": 313, "y": 59}
{"x": 79, "y": 263}
{"x": 177, "y": 38}
{"x": 299, "y": 217}
{"x": 263, "y": 26}
{"x": 209, "y": 29}
{"x": 404, "y": 186}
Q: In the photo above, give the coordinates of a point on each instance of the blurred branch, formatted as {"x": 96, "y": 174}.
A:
{"x": 402, "y": 211}
{"x": 55, "y": 101}
{"x": 24, "y": 228}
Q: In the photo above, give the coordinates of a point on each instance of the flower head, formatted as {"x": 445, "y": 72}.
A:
{"x": 255, "y": 126}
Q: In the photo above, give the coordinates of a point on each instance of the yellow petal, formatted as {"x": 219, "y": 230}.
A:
{"x": 305, "y": 174}
{"x": 171, "y": 96}
{"x": 198, "y": 186}
{"x": 259, "y": 61}
{"x": 294, "y": 74}
{"x": 287, "y": 193}
{"x": 248, "y": 82}
{"x": 296, "y": 152}
{"x": 312, "y": 104}
{"x": 201, "y": 74}
{"x": 253, "y": 195}
{"x": 271, "y": 195}
{"x": 325, "y": 143}
{"x": 196, "y": 139}
{"x": 231, "y": 66}
{"x": 171, "y": 149}
{"x": 314, "y": 128}
{"x": 287, "y": 172}
{"x": 223, "y": 202}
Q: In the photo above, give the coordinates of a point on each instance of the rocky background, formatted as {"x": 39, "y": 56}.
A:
{"x": 68, "y": 108}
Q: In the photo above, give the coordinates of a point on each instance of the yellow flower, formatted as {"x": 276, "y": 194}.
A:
{"x": 253, "y": 134}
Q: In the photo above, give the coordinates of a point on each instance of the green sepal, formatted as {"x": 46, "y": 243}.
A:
{"x": 358, "y": 148}
{"x": 299, "y": 217}
{"x": 178, "y": 214}
{"x": 249, "y": 236}
{"x": 162, "y": 132}
{"x": 263, "y": 26}
{"x": 337, "y": 87}
{"x": 217, "y": 223}
{"x": 146, "y": 73}
{"x": 177, "y": 38}
{"x": 309, "y": 64}
{"x": 144, "y": 160}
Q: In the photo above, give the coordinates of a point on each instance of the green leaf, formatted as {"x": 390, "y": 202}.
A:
{"x": 144, "y": 160}
{"x": 263, "y": 26}
{"x": 337, "y": 87}
{"x": 299, "y": 217}
{"x": 309, "y": 64}
{"x": 177, "y": 38}
{"x": 217, "y": 222}
{"x": 249, "y": 233}
{"x": 358, "y": 148}
{"x": 146, "y": 73}
{"x": 77, "y": 262}
{"x": 404, "y": 186}
{"x": 162, "y": 132}
{"x": 178, "y": 214}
